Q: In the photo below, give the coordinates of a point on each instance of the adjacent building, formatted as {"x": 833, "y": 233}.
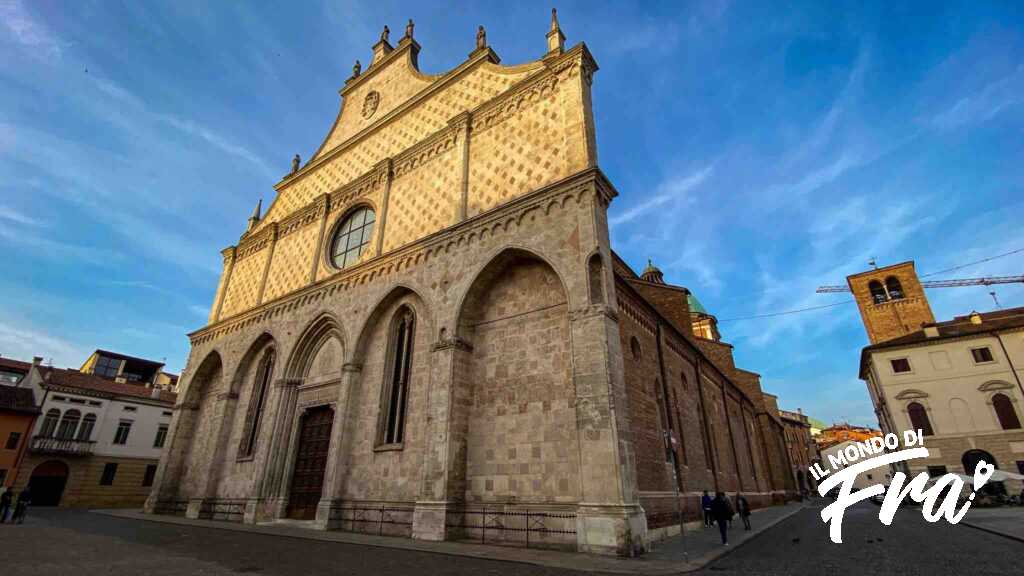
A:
{"x": 18, "y": 413}
{"x": 959, "y": 381}
{"x": 881, "y": 475}
{"x": 97, "y": 441}
{"x": 428, "y": 332}
{"x": 801, "y": 448}
{"x": 129, "y": 369}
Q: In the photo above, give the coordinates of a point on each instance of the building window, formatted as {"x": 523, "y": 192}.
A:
{"x": 1020, "y": 466}
{"x": 107, "y": 367}
{"x": 147, "y": 478}
{"x": 396, "y": 387}
{"x": 130, "y": 409}
{"x": 982, "y": 355}
{"x": 3, "y": 476}
{"x": 352, "y": 238}
{"x": 893, "y": 287}
{"x": 50, "y": 423}
{"x": 8, "y": 377}
{"x": 109, "y": 471}
{"x": 161, "y": 436}
{"x": 634, "y": 348}
{"x": 936, "y": 471}
{"x": 76, "y": 400}
{"x": 68, "y": 424}
{"x": 13, "y": 440}
{"x": 1005, "y": 413}
{"x": 264, "y": 371}
{"x": 95, "y": 403}
{"x": 919, "y": 418}
{"x": 877, "y": 291}
{"x": 85, "y": 430}
{"x": 900, "y": 365}
{"x": 168, "y": 414}
{"x": 124, "y": 427}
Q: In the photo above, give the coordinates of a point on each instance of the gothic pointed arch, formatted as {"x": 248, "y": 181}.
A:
{"x": 381, "y": 312}
{"x": 516, "y": 368}
{"x": 252, "y": 383}
{"x": 206, "y": 378}
{"x": 306, "y": 357}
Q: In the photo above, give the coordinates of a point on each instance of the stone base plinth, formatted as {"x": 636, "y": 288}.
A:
{"x": 614, "y": 530}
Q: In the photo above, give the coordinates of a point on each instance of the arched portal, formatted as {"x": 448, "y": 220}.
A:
{"x": 191, "y": 449}
{"x": 970, "y": 460}
{"x": 47, "y": 483}
{"x": 521, "y": 426}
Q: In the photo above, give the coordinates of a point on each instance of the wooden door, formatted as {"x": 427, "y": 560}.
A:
{"x": 310, "y": 463}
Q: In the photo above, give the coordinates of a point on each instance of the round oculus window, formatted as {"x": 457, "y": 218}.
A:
{"x": 352, "y": 238}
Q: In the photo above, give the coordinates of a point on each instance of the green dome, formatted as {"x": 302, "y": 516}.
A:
{"x": 695, "y": 305}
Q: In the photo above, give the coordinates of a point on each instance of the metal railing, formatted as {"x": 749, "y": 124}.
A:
{"x": 232, "y": 510}
{"x": 383, "y": 519}
{"x": 515, "y": 524}
{"x": 62, "y": 446}
{"x": 172, "y": 507}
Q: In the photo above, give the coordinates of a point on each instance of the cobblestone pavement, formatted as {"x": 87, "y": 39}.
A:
{"x": 83, "y": 543}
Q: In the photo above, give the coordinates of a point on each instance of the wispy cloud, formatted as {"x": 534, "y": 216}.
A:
{"x": 12, "y": 215}
{"x": 23, "y": 342}
{"x": 671, "y": 190}
{"x": 28, "y": 32}
{"x": 984, "y": 104}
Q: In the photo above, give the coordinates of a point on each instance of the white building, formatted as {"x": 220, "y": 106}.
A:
{"x": 97, "y": 442}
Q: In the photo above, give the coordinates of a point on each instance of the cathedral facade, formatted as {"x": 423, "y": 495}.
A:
{"x": 428, "y": 334}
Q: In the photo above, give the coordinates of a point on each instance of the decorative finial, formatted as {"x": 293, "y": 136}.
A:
{"x": 357, "y": 69}
{"x": 408, "y": 29}
{"x": 385, "y": 33}
{"x": 481, "y": 38}
{"x": 295, "y": 163}
{"x": 556, "y": 40}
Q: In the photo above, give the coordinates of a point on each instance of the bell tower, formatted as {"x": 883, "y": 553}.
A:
{"x": 891, "y": 300}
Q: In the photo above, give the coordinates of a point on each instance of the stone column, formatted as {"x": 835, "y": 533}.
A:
{"x": 229, "y": 254}
{"x": 337, "y": 459}
{"x": 609, "y": 519}
{"x": 442, "y": 485}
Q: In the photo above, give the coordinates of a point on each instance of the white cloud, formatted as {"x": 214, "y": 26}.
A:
{"x": 984, "y": 104}
{"x": 31, "y": 34}
{"x": 12, "y": 215}
{"x": 668, "y": 191}
{"x": 23, "y": 342}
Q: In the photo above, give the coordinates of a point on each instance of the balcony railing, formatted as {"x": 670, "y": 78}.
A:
{"x": 62, "y": 446}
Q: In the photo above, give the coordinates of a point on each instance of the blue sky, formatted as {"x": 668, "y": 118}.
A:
{"x": 760, "y": 150}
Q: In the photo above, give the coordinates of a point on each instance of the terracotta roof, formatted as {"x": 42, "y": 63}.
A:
{"x": 16, "y": 365}
{"x": 18, "y": 399}
{"x": 65, "y": 378}
{"x": 958, "y": 327}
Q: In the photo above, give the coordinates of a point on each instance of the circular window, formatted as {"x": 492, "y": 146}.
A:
{"x": 352, "y": 237}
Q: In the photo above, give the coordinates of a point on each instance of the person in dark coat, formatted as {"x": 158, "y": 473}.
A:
{"x": 721, "y": 510}
{"x": 743, "y": 509}
{"x": 705, "y": 504}
{"x": 5, "y": 505}
{"x": 24, "y": 499}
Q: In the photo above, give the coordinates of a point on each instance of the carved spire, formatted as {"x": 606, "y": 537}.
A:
{"x": 255, "y": 218}
{"x": 385, "y": 33}
{"x": 408, "y": 28}
{"x": 556, "y": 40}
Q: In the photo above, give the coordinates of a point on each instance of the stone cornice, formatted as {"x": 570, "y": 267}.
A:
{"x": 498, "y": 221}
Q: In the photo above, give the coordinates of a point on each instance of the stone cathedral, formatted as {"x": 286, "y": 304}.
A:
{"x": 428, "y": 335}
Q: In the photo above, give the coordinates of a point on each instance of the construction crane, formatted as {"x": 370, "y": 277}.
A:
{"x": 943, "y": 283}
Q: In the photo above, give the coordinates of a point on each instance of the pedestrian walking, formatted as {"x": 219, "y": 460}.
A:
{"x": 5, "y": 505}
{"x": 743, "y": 509}
{"x": 21, "y": 508}
{"x": 721, "y": 510}
{"x": 705, "y": 504}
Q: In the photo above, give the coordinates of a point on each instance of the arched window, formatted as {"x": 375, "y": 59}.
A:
{"x": 919, "y": 418}
{"x": 877, "y": 291}
{"x": 894, "y": 288}
{"x": 595, "y": 274}
{"x": 250, "y": 432}
{"x": 85, "y": 430}
{"x": 49, "y": 423}
{"x": 1004, "y": 411}
{"x": 634, "y": 348}
{"x": 396, "y": 386}
{"x": 68, "y": 424}
{"x": 352, "y": 237}
{"x": 666, "y": 421}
